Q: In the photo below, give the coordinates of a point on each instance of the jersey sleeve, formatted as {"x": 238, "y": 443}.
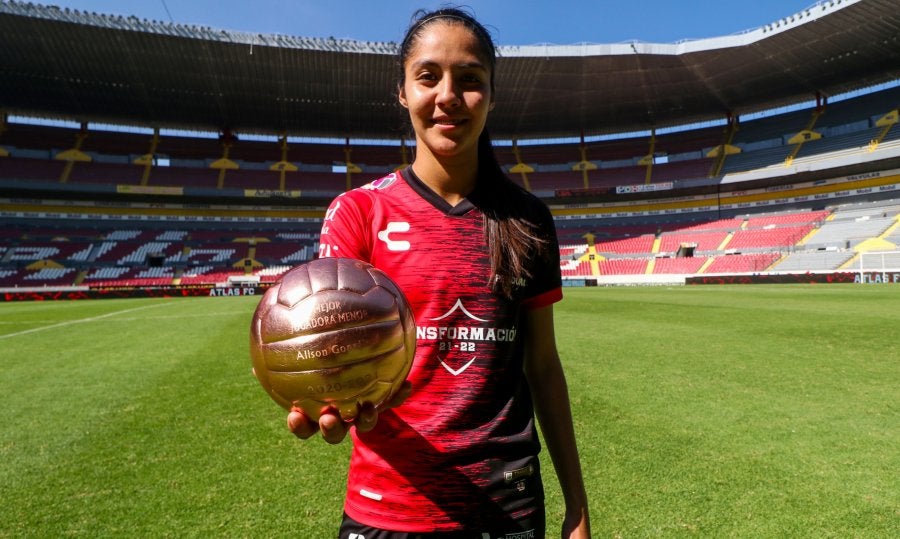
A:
{"x": 546, "y": 285}
{"x": 345, "y": 231}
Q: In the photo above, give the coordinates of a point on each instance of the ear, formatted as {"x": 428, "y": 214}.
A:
{"x": 491, "y": 106}
{"x": 401, "y": 96}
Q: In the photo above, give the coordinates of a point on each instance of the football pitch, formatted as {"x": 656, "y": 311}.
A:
{"x": 713, "y": 411}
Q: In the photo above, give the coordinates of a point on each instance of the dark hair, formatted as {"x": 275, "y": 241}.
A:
{"x": 422, "y": 19}
{"x": 511, "y": 237}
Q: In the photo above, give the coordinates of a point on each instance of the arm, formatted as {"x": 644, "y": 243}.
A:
{"x": 551, "y": 402}
{"x": 344, "y": 234}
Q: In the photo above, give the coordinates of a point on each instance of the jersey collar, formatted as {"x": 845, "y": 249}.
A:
{"x": 417, "y": 185}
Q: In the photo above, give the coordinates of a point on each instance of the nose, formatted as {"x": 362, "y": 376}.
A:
{"x": 448, "y": 93}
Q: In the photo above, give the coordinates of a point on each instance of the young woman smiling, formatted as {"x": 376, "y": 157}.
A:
{"x": 456, "y": 454}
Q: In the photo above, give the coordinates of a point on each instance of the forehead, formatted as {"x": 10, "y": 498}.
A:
{"x": 447, "y": 39}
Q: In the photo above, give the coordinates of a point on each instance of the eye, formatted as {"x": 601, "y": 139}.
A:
{"x": 426, "y": 77}
{"x": 472, "y": 77}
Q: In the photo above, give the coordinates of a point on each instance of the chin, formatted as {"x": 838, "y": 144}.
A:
{"x": 447, "y": 148}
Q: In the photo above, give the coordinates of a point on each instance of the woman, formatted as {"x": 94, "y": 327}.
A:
{"x": 477, "y": 257}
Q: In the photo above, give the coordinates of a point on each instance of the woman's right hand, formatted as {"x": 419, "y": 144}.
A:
{"x": 333, "y": 428}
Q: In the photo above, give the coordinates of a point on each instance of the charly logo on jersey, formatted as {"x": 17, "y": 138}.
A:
{"x": 382, "y": 183}
{"x": 460, "y": 336}
{"x": 393, "y": 243}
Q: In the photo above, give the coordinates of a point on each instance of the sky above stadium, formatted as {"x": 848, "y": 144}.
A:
{"x": 512, "y": 22}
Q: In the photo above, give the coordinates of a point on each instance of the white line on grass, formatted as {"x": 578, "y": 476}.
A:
{"x": 79, "y": 321}
{"x": 177, "y": 316}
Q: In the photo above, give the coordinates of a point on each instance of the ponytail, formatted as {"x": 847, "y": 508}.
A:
{"x": 512, "y": 239}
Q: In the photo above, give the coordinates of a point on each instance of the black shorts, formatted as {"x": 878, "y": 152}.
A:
{"x": 532, "y": 527}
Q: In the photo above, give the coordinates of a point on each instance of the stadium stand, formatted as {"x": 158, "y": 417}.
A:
{"x": 121, "y": 257}
{"x": 700, "y": 241}
{"x": 37, "y": 278}
{"x": 198, "y": 255}
{"x": 803, "y": 261}
{"x": 291, "y": 253}
{"x": 686, "y": 265}
{"x": 768, "y": 237}
{"x": 764, "y": 143}
{"x": 753, "y": 244}
{"x": 58, "y": 251}
{"x": 214, "y": 202}
{"x": 851, "y": 226}
{"x": 118, "y": 276}
{"x": 742, "y": 263}
{"x": 208, "y": 275}
{"x": 640, "y": 244}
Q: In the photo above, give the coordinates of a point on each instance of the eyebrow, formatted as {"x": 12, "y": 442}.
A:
{"x": 465, "y": 65}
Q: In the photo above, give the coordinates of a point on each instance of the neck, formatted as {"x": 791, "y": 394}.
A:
{"x": 451, "y": 179}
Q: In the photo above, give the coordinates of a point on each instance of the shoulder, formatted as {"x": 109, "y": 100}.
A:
{"x": 383, "y": 184}
{"x": 499, "y": 195}
{"x": 535, "y": 205}
{"x": 531, "y": 208}
{"x": 366, "y": 196}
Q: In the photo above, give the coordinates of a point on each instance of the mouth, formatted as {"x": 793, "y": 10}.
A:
{"x": 447, "y": 122}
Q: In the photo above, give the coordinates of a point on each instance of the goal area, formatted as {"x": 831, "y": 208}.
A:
{"x": 883, "y": 266}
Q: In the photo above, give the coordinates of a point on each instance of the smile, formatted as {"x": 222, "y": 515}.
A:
{"x": 447, "y": 121}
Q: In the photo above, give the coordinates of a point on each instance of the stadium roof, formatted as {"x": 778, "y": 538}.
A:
{"x": 99, "y": 68}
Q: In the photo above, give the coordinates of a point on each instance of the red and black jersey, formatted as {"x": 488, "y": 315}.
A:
{"x": 461, "y": 451}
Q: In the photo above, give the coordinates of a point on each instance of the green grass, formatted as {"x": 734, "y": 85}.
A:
{"x": 709, "y": 411}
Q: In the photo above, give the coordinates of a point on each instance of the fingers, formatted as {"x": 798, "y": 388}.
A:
{"x": 333, "y": 428}
{"x": 300, "y": 425}
{"x": 366, "y": 418}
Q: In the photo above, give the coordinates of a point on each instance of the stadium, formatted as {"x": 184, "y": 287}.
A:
{"x": 143, "y": 160}
{"x": 205, "y": 160}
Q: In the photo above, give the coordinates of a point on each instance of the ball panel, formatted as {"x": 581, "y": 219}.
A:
{"x": 261, "y": 372}
{"x": 324, "y": 275}
{"x": 382, "y": 280}
{"x": 329, "y": 310}
{"x": 409, "y": 332}
{"x": 352, "y": 275}
{"x": 293, "y": 286}
{"x": 338, "y": 274}
{"x": 344, "y": 387}
{"x": 335, "y": 348}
